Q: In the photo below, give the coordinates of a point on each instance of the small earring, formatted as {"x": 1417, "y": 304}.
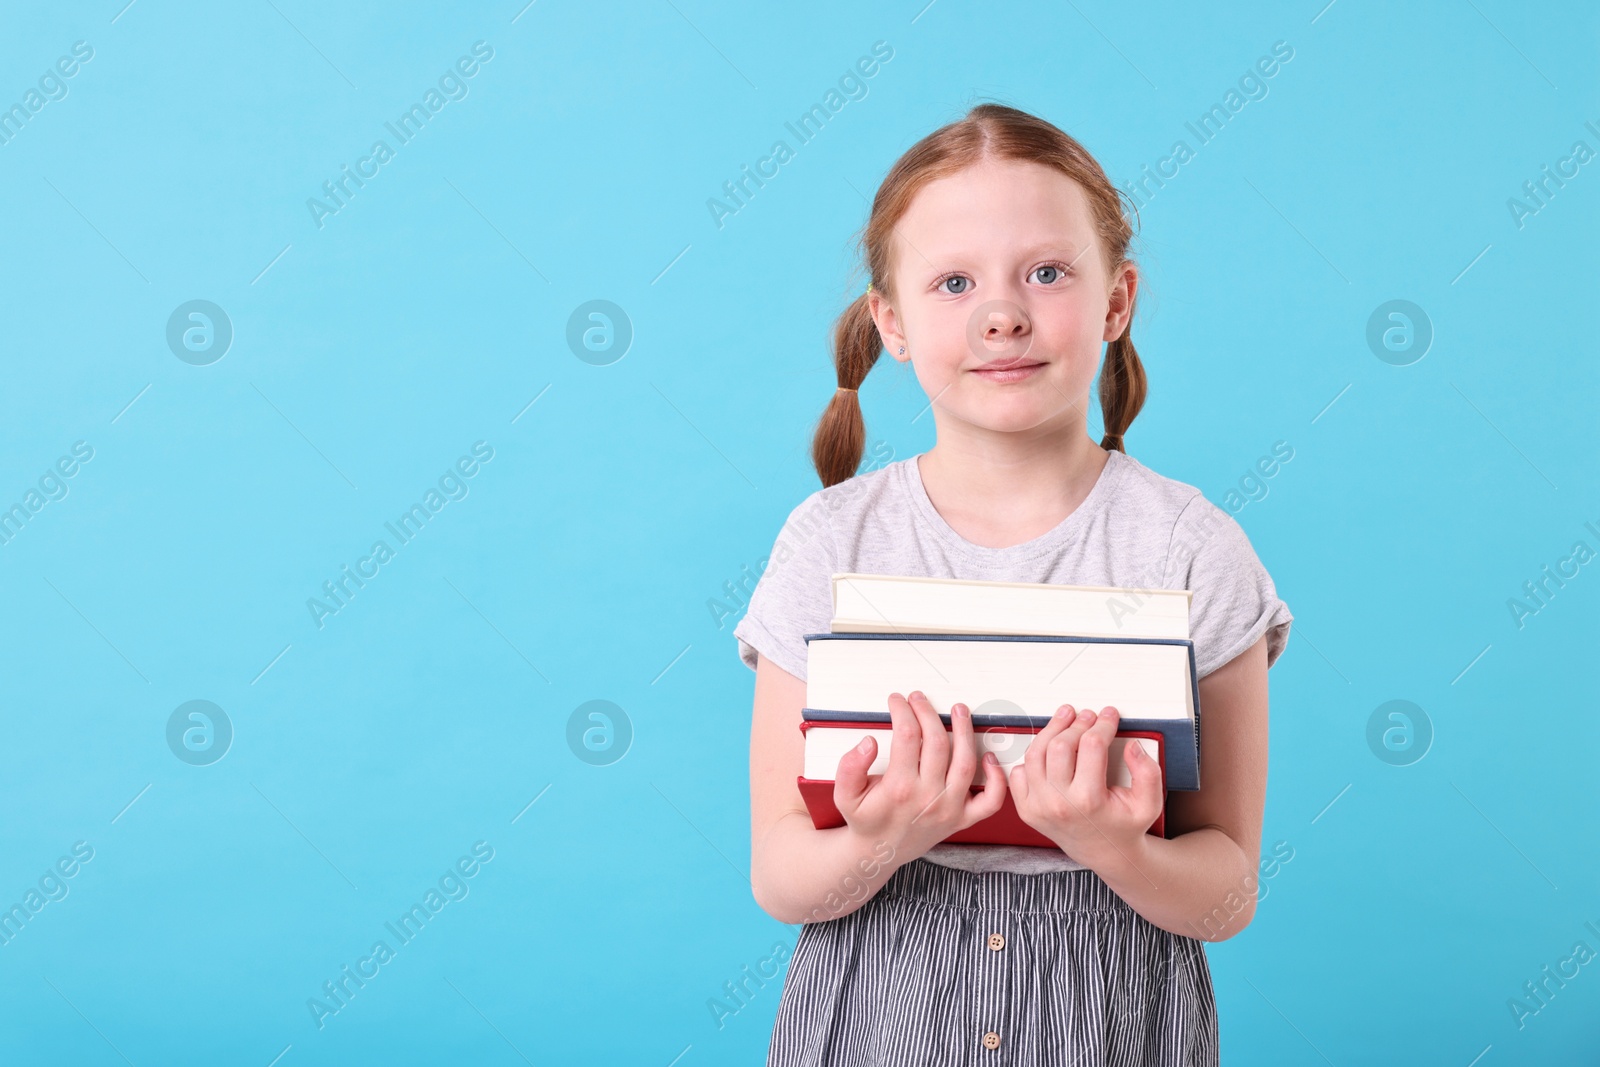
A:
{"x": 902, "y": 350}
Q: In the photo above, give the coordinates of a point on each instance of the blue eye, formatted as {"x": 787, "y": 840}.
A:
{"x": 1047, "y": 274}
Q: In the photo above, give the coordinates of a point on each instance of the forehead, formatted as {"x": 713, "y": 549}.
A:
{"x": 993, "y": 207}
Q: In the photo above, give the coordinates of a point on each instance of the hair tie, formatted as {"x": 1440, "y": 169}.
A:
{"x": 845, "y": 389}
{"x": 869, "y": 287}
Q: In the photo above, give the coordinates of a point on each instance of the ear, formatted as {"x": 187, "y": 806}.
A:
{"x": 1119, "y": 310}
{"x": 888, "y": 322}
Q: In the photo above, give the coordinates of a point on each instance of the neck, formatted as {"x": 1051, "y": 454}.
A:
{"x": 1002, "y": 486}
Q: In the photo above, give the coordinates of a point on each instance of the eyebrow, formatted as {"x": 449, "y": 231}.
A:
{"x": 1048, "y": 248}
{"x": 1052, "y": 248}
{"x": 1066, "y": 250}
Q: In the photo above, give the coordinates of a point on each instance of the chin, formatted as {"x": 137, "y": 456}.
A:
{"x": 1013, "y": 416}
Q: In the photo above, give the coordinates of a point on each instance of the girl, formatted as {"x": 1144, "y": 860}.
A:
{"x": 997, "y": 251}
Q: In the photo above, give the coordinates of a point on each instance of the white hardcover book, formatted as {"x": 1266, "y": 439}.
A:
{"x": 882, "y": 603}
{"x": 1032, "y": 675}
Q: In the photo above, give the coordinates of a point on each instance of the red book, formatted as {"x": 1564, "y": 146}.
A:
{"x": 1004, "y": 827}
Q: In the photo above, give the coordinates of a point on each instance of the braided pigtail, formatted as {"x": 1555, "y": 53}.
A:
{"x": 841, "y": 435}
{"x": 1122, "y": 389}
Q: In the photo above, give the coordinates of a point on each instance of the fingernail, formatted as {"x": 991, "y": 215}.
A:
{"x": 1065, "y": 712}
{"x": 914, "y": 693}
{"x": 990, "y": 759}
{"x": 1087, "y": 715}
{"x": 960, "y": 709}
{"x": 862, "y": 747}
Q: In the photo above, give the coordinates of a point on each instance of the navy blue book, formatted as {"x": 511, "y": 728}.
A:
{"x": 1014, "y": 680}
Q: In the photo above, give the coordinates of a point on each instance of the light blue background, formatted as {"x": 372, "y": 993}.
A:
{"x": 427, "y": 314}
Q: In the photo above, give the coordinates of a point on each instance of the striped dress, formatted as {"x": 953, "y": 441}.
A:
{"x": 961, "y": 969}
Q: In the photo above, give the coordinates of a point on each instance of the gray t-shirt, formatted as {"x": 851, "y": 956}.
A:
{"x": 1136, "y": 528}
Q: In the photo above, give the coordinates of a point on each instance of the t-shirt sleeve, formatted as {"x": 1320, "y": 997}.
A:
{"x": 794, "y": 595}
{"x": 1234, "y": 600}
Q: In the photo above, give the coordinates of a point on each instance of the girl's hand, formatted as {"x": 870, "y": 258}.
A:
{"x": 1060, "y": 788}
{"x": 924, "y": 797}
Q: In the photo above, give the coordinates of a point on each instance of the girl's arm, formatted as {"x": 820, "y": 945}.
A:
{"x": 797, "y": 872}
{"x": 801, "y": 874}
{"x": 1202, "y": 881}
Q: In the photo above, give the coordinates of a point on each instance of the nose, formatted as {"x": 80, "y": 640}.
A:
{"x": 1002, "y": 324}
{"x": 999, "y": 333}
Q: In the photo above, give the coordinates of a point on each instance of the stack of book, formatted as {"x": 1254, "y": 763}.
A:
{"x": 1013, "y": 653}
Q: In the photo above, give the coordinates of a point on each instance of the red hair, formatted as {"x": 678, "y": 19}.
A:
{"x": 989, "y": 131}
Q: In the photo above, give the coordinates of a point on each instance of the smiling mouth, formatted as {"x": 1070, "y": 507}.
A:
{"x": 1008, "y": 372}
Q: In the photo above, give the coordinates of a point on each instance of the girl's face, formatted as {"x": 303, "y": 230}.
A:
{"x": 1002, "y": 297}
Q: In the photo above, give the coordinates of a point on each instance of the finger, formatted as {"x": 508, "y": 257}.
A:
{"x": 1034, "y": 759}
{"x": 850, "y": 781}
{"x": 985, "y": 803}
{"x": 963, "y": 748}
{"x": 1146, "y": 793}
{"x": 1009, "y": 746}
{"x": 1059, "y": 760}
{"x": 906, "y": 745}
{"x": 1018, "y": 784}
{"x": 1093, "y": 749}
{"x": 934, "y": 764}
